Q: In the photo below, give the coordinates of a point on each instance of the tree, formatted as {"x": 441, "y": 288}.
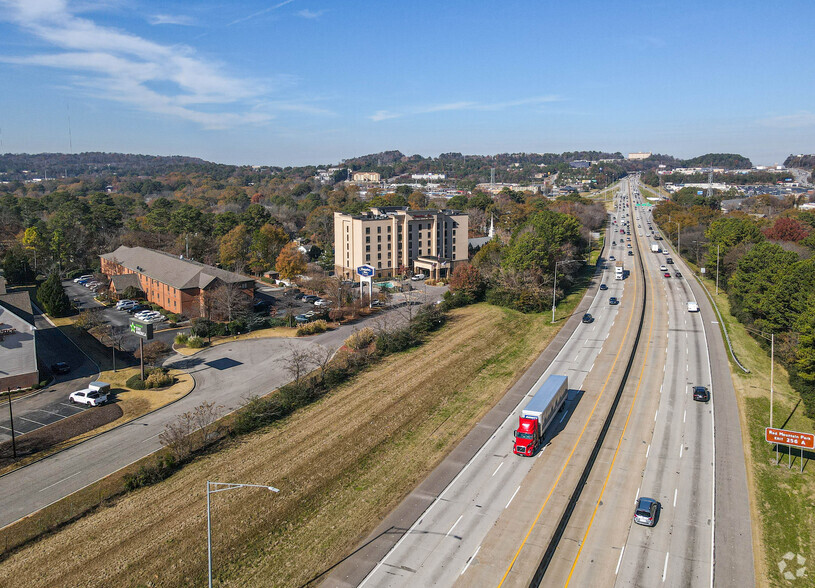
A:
{"x": 467, "y": 279}
{"x": 291, "y": 262}
{"x": 267, "y": 243}
{"x": 230, "y": 302}
{"x": 757, "y": 271}
{"x": 536, "y": 244}
{"x": 459, "y": 201}
{"x": 786, "y": 229}
{"x": 234, "y": 250}
{"x": 16, "y": 267}
{"x": 34, "y": 242}
{"x": 52, "y": 296}
{"x": 320, "y": 226}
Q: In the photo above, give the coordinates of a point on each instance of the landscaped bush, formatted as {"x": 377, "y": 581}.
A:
{"x": 361, "y": 339}
{"x": 182, "y": 339}
{"x": 196, "y": 342}
{"x": 135, "y": 382}
{"x": 158, "y": 379}
{"x": 312, "y": 328}
{"x": 276, "y": 322}
{"x": 236, "y": 327}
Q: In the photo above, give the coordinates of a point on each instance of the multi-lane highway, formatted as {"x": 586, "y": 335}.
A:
{"x": 630, "y": 428}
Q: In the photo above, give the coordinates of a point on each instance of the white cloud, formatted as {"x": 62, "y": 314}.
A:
{"x": 306, "y": 13}
{"x": 171, "y": 19}
{"x": 381, "y": 115}
{"x": 149, "y": 76}
{"x": 800, "y": 119}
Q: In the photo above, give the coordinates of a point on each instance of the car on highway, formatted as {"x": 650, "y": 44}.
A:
{"x": 662, "y": 268}
{"x": 701, "y": 394}
{"x": 612, "y": 258}
{"x": 631, "y": 253}
{"x": 678, "y": 275}
{"x": 60, "y": 367}
{"x": 613, "y": 300}
{"x": 666, "y": 275}
{"x": 645, "y": 513}
{"x": 603, "y": 287}
{"x": 587, "y": 318}
{"x": 669, "y": 261}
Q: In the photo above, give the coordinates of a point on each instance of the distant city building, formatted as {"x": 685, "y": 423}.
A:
{"x": 362, "y": 176}
{"x": 639, "y": 156}
{"x": 580, "y": 164}
{"x": 393, "y": 238}
{"x": 429, "y": 177}
{"x": 326, "y": 176}
{"x": 497, "y": 187}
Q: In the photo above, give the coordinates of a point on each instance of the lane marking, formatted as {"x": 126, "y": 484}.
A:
{"x": 498, "y": 468}
{"x": 619, "y": 560}
{"x": 513, "y": 496}
{"x": 60, "y": 482}
{"x": 681, "y": 447}
{"x": 469, "y": 561}
{"x": 665, "y": 567}
{"x": 22, "y": 418}
{"x": 685, "y": 415}
{"x": 454, "y": 525}
{"x": 676, "y": 490}
{"x": 655, "y": 415}
{"x": 647, "y": 451}
{"x": 151, "y": 437}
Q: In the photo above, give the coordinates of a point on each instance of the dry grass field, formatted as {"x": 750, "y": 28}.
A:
{"x": 341, "y": 465}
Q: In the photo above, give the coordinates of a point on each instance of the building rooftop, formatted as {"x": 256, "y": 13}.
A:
{"x": 20, "y": 304}
{"x": 18, "y": 354}
{"x": 169, "y": 269}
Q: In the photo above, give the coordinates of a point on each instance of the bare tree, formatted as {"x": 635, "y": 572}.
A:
{"x": 230, "y": 301}
{"x": 321, "y": 357}
{"x": 297, "y": 362}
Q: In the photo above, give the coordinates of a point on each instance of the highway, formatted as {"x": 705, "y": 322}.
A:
{"x": 507, "y": 520}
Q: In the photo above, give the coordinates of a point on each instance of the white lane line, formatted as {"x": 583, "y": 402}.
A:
{"x": 619, "y": 560}
{"x": 513, "y": 496}
{"x": 151, "y": 437}
{"x": 498, "y": 468}
{"x": 60, "y": 482}
{"x": 454, "y": 525}
{"x": 638, "y": 495}
{"x": 665, "y": 567}
{"x": 685, "y": 415}
{"x": 469, "y": 561}
{"x": 6, "y": 428}
{"x": 681, "y": 447}
{"x": 62, "y": 416}
{"x": 655, "y": 415}
{"x": 647, "y": 451}
{"x": 22, "y": 418}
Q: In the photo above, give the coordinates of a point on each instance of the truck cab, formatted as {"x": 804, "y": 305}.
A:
{"x": 527, "y": 437}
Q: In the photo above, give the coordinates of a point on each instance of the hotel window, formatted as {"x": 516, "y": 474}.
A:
{"x": 367, "y": 230}
{"x": 367, "y": 239}
{"x": 389, "y": 229}
{"x": 367, "y": 248}
{"x": 378, "y": 229}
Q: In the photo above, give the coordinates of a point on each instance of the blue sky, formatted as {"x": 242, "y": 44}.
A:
{"x": 315, "y": 81}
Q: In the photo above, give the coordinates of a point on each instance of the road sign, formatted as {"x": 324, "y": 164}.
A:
{"x": 144, "y": 330}
{"x": 366, "y": 271}
{"x": 792, "y": 438}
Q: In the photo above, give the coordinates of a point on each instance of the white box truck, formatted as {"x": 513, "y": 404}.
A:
{"x": 654, "y": 248}
{"x": 619, "y": 271}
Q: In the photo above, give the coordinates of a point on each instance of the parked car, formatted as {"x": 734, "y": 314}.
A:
{"x": 301, "y": 319}
{"x": 95, "y": 394}
{"x": 126, "y": 304}
{"x": 418, "y": 277}
{"x": 645, "y": 512}
{"x": 375, "y": 303}
{"x": 82, "y": 279}
{"x": 310, "y": 298}
{"x": 155, "y": 318}
{"x": 322, "y": 302}
{"x": 613, "y": 301}
{"x": 603, "y": 287}
{"x": 138, "y": 308}
{"x": 701, "y": 394}
{"x": 299, "y": 296}
{"x": 587, "y": 318}
{"x": 91, "y": 284}
{"x": 261, "y": 305}
{"x": 146, "y": 315}
{"x": 60, "y": 367}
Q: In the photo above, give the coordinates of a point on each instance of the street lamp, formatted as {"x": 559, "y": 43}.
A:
{"x": 212, "y": 488}
{"x": 554, "y": 283}
{"x": 771, "y": 339}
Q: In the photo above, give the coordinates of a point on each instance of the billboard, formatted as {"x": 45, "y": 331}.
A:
{"x": 792, "y": 438}
{"x": 366, "y": 271}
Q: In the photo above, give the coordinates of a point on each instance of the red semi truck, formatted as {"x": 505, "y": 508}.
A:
{"x": 539, "y": 413}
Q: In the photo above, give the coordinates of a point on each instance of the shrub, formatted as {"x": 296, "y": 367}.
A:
{"x": 196, "y": 342}
{"x": 182, "y": 339}
{"x": 236, "y": 327}
{"x": 361, "y": 339}
{"x": 173, "y": 317}
{"x": 158, "y": 379}
{"x": 201, "y": 327}
{"x": 259, "y": 412}
{"x": 276, "y": 322}
{"x": 135, "y": 383}
{"x": 162, "y": 469}
{"x": 312, "y": 328}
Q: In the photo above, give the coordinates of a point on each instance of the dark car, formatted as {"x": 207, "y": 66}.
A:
{"x": 262, "y": 305}
{"x": 138, "y": 308}
{"x": 310, "y": 298}
{"x": 613, "y": 300}
{"x": 678, "y": 275}
{"x": 631, "y": 253}
{"x": 645, "y": 512}
{"x": 587, "y": 318}
{"x": 299, "y": 296}
{"x": 701, "y": 394}
{"x": 603, "y": 287}
{"x": 669, "y": 260}
{"x": 60, "y": 368}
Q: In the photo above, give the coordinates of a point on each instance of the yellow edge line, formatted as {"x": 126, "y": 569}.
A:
{"x": 574, "y": 448}
{"x": 619, "y": 442}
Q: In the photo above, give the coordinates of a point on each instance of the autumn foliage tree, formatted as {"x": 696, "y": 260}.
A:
{"x": 467, "y": 279}
{"x": 786, "y": 229}
{"x": 235, "y": 248}
{"x": 291, "y": 261}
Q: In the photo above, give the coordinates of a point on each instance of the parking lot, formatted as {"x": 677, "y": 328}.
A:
{"x": 36, "y": 411}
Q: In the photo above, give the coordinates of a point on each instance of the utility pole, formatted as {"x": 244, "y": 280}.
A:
{"x": 11, "y": 419}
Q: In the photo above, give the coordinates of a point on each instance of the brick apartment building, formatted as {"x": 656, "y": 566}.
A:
{"x": 176, "y": 284}
{"x": 393, "y": 238}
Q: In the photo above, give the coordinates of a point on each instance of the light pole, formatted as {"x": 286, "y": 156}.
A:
{"x": 226, "y": 486}
{"x": 771, "y": 339}
{"x": 554, "y": 284}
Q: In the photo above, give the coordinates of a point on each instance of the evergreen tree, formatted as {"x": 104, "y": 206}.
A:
{"x": 52, "y": 296}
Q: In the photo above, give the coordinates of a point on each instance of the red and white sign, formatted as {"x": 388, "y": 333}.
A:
{"x": 793, "y": 438}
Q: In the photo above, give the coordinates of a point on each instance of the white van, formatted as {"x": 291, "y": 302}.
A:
{"x": 693, "y": 307}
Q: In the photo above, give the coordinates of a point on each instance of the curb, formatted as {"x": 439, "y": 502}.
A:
{"x": 43, "y": 458}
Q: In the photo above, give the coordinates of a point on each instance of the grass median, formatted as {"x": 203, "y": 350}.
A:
{"x": 782, "y": 499}
{"x": 341, "y": 464}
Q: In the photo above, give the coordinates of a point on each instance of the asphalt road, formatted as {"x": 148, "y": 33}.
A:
{"x": 227, "y": 375}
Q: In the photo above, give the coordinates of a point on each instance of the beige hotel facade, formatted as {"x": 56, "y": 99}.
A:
{"x": 395, "y": 240}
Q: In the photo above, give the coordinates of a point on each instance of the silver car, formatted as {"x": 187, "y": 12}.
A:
{"x": 646, "y": 511}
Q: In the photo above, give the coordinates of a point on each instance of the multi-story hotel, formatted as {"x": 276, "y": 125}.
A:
{"x": 394, "y": 240}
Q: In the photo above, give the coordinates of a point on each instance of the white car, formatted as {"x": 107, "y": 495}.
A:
{"x": 125, "y": 304}
{"x": 418, "y": 277}
{"x": 146, "y": 315}
{"x": 85, "y": 277}
{"x": 95, "y": 394}
{"x": 662, "y": 268}
{"x": 157, "y": 318}
{"x": 322, "y": 302}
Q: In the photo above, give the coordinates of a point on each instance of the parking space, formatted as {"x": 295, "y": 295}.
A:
{"x": 34, "y": 412}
